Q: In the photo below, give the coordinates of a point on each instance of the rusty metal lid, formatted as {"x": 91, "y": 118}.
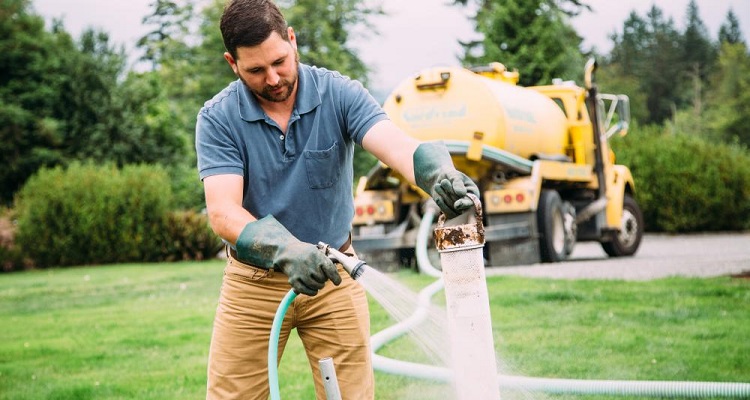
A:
{"x": 461, "y": 237}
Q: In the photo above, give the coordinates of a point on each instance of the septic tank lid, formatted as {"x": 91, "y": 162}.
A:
{"x": 461, "y": 237}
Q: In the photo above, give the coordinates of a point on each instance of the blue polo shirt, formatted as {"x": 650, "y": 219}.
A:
{"x": 303, "y": 177}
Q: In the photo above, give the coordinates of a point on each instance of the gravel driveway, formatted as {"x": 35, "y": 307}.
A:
{"x": 659, "y": 256}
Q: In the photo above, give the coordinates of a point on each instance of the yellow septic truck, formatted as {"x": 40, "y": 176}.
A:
{"x": 539, "y": 156}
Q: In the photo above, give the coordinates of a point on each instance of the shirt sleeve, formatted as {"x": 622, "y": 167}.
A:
{"x": 361, "y": 111}
{"x": 215, "y": 147}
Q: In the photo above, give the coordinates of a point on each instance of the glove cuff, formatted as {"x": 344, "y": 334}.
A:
{"x": 260, "y": 240}
{"x": 430, "y": 159}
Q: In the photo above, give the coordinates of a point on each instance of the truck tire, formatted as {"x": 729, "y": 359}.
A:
{"x": 555, "y": 241}
{"x": 626, "y": 241}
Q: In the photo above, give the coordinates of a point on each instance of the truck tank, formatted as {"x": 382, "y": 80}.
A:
{"x": 456, "y": 104}
{"x": 545, "y": 172}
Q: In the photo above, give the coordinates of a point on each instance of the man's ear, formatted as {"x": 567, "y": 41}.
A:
{"x": 232, "y": 62}
{"x": 292, "y": 37}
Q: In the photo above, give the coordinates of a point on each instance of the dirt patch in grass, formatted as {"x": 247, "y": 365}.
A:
{"x": 742, "y": 275}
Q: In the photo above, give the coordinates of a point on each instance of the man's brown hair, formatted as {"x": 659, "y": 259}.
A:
{"x": 249, "y": 23}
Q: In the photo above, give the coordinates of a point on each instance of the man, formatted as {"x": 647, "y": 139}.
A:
{"x": 275, "y": 153}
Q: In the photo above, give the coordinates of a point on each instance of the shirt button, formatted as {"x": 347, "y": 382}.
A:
{"x": 281, "y": 137}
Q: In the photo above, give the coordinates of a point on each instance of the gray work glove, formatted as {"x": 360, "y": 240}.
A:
{"x": 265, "y": 243}
{"x": 436, "y": 175}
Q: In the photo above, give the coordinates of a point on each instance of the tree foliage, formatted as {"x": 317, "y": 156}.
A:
{"x": 532, "y": 36}
{"x": 650, "y": 49}
{"x": 32, "y": 72}
{"x": 170, "y": 21}
{"x": 729, "y": 97}
{"x": 63, "y": 99}
{"x": 324, "y": 32}
{"x": 730, "y": 31}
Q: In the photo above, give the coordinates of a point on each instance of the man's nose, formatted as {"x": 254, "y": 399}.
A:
{"x": 273, "y": 78}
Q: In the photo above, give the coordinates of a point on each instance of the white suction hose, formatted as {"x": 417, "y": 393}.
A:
{"x": 425, "y": 230}
{"x": 685, "y": 389}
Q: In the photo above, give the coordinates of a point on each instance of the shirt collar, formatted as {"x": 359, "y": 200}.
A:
{"x": 308, "y": 97}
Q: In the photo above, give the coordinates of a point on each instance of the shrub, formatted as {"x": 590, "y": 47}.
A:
{"x": 88, "y": 214}
{"x": 187, "y": 189}
{"x": 685, "y": 183}
{"x": 189, "y": 237}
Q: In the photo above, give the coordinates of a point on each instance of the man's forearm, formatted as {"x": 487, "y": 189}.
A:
{"x": 229, "y": 221}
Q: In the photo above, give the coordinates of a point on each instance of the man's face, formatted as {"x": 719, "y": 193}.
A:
{"x": 269, "y": 69}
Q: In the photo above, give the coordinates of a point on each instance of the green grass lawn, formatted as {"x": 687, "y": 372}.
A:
{"x": 142, "y": 332}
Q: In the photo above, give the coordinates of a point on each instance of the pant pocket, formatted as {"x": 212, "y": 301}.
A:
{"x": 240, "y": 271}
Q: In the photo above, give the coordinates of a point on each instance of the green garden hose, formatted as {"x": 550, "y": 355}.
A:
{"x": 354, "y": 266}
{"x": 273, "y": 344}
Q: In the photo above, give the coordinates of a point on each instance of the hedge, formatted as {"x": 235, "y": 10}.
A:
{"x": 686, "y": 183}
{"x": 92, "y": 214}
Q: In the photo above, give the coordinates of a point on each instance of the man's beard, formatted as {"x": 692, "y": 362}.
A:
{"x": 267, "y": 92}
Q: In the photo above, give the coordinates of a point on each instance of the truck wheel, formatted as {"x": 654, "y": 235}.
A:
{"x": 627, "y": 240}
{"x": 556, "y": 234}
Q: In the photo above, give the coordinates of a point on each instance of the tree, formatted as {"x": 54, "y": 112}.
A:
{"x": 531, "y": 36}
{"x": 729, "y": 97}
{"x": 730, "y": 29}
{"x": 64, "y": 100}
{"x": 171, "y": 23}
{"x": 696, "y": 42}
{"x": 185, "y": 49}
{"x": 613, "y": 78}
{"x": 111, "y": 119}
{"x": 324, "y": 32}
{"x": 32, "y": 71}
{"x": 698, "y": 56}
{"x": 649, "y": 49}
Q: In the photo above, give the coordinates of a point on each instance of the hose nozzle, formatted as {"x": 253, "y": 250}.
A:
{"x": 352, "y": 265}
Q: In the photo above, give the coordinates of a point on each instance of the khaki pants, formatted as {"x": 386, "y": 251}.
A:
{"x": 334, "y": 323}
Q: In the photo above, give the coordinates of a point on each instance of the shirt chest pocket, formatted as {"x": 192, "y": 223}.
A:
{"x": 323, "y": 167}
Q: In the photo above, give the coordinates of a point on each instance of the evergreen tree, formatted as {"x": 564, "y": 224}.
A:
{"x": 106, "y": 119}
{"x": 531, "y": 36}
{"x": 698, "y": 56}
{"x": 729, "y": 97}
{"x": 696, "y": 42}
{"x": 730, "y": 30}
{"x": 32, "y": 72}
{"x": 650, "y": 49}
